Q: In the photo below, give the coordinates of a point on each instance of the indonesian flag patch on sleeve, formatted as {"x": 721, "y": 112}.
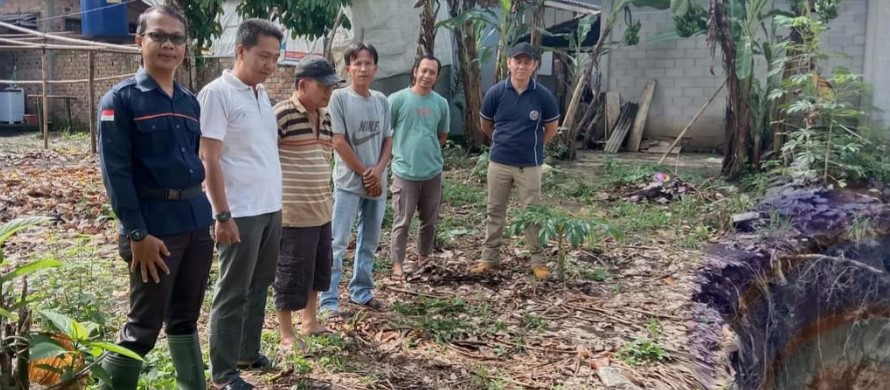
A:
{"x": 107, "y": 115}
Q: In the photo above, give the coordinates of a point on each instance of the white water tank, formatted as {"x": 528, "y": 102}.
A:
{"x": 12, "y": 105}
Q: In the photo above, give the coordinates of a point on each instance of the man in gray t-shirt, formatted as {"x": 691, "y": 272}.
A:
{"x": 364, "y": 121}
{"x": 363, "y": 142}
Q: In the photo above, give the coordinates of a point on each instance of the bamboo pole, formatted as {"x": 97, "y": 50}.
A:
{"x": 43, "y": 65}
{"x": 689, "y": 125}
{"x": 91, "y": 105}
{"x": 34, "y": 82}
{"x": 18, "y": 44}
{"x": 69, "y": 40}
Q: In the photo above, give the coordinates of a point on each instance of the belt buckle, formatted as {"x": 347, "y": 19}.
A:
{"x": 174, "y": 194}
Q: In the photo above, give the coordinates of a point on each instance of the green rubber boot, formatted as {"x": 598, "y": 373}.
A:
{"x": 185, "y": 350}
{"x": 124, "y": 372}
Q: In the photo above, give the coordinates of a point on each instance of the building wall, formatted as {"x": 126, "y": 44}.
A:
{"x": 60, "y": 8}
{"x": 681, "y": 69}
{"x": 877, "y": 53}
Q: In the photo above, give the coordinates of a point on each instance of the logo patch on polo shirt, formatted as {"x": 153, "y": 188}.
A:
{"x": 107, "y": 116}
{"x": 534, "y": 115}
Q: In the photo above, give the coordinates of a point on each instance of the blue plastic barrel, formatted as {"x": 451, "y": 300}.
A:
{"x": 104, "y": 19}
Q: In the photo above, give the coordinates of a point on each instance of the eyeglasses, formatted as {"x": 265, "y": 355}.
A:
{"x": 161, "y": 38}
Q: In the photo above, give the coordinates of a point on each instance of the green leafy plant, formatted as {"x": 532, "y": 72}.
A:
{"x": 826, "y": 115}
{"x": 457, "y": 193}
{"x": 72, "y": 291}
{"x": 479, "y": 173}
{"x": 534, "y": 321}
{"x": 618, "y": 174}
{"x": 441, "y": 319}
{"x": 15, "y": 314}
{"x": 646, "y": 349}
{"x": 88, "y": 349}
{"x": 159, "y": 372}
{"x": 861, "y": 230}
{"x": 598, "y": 274}
{"x": 19, "y": 345}
{"x": 568, "y": 231}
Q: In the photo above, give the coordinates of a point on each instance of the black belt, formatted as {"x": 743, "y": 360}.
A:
{"x": 162, "y": 194}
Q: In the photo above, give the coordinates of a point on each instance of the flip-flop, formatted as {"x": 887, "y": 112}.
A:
{"x": 326, "y": 332}
{"x": 374, "y": 304}
{"x": 335, "y": 317}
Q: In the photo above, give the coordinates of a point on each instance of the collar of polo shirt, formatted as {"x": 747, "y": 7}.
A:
{"x": 236, "y": 82}
{"x": 532, "y": 84}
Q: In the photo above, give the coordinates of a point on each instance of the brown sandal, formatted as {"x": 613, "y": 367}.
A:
{"x": 374, "y": 304}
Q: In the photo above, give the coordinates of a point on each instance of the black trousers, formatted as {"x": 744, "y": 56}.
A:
{"x": 176, "y": 300}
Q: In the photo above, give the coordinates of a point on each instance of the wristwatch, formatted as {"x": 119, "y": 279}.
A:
{"x": 137, "y": 235}
{"x": 223, "y": 216}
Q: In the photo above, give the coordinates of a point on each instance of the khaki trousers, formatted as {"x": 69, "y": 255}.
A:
{"x": 408, "y": 196}
{"x": 501, "y": 180}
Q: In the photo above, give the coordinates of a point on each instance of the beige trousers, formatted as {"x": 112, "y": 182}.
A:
{"x": 501, "y": 180}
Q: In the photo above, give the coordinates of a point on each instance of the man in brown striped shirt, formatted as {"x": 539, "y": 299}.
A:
{"x": 305, "y": 150}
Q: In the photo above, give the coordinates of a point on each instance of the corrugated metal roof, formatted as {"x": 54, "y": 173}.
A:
{"x": 579, "y": 3}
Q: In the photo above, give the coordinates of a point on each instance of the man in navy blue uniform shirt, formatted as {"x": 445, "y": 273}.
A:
{"x": 149, "y": 136}
{"x": 520, "y": 116}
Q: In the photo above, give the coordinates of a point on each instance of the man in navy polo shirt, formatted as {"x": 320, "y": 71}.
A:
{"x": 149, "y": 134}
{"x": 520, "y": 116}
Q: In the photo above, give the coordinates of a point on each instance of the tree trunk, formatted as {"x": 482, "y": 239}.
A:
{"x": 737, "y": 121}
{"x": 569, "y": 125}
{"x": 426, "y": 40}
{"x": 472, "y": 75}
{"x": 329, "y": 39}
{"x": 509, "y": 23}
{"x": 793, "y": 66}
{"x": 537, "y": 25}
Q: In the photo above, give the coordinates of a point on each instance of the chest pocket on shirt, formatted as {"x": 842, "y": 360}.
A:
{"x": 152, "y": 136}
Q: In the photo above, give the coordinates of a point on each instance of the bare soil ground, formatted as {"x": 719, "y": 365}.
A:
{"x": 625, "y": 303}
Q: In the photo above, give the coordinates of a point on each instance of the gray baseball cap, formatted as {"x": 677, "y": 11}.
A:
{"x": 317, "y": 68}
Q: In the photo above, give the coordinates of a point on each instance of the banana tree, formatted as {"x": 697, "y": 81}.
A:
{"x": 426, "y": 39}
{"x": 466, "y": 30}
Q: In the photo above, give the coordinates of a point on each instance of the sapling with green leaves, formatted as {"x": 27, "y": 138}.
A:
{"x": 15, "y": 314}
{"x": 568, "y": 231}
{"x": 19, "y": 345}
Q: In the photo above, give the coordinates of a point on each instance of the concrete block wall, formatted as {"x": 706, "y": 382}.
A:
{"x": 877, "y": 54}
{"x": 682, "y": 71}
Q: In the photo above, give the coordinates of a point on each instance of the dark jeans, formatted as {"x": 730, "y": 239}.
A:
{"x": 176, "y": 300}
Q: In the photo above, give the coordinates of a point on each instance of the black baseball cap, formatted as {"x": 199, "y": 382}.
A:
{"x": 524, "y": 48}
{"x": 317, "y": 68}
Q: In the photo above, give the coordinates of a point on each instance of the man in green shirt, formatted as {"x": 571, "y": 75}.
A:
{"x": 420, "y": 122}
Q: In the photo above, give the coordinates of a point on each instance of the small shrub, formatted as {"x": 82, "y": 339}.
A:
{"x": 479, "y": 173}
{"x": 456, "y": 193}
{"x": 568, "y": 231}
{"x": 533, "y": 321}
{"x": 455, "y": 156}
{"x": 644, "y": 350}
{"x": 861, "y": 230}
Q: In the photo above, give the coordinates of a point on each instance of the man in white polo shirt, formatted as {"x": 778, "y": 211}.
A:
{"x": 240, "y": 152}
